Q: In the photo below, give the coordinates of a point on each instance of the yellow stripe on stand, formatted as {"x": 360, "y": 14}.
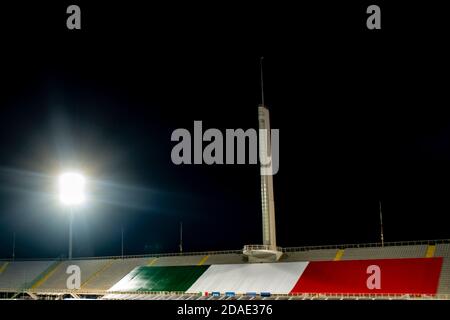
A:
{"x": 151, "y": 261}
{"x": 339, "y": 255}
{"x": 203, "y": 260}
{"x": 430, "y": 251}
{"x": 48, "y": 275}
{"x": 103, "y": 268}
{"x": 3, "y": 267}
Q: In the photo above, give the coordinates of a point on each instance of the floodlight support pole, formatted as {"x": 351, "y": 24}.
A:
{"x": 14, "y": 247}
{"x": 70, "y": 231}
{"x": 122, "y": 243}
{"x": 181, "y": 237}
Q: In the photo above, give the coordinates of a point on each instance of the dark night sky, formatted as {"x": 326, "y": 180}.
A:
{"x": 362, "y": 117}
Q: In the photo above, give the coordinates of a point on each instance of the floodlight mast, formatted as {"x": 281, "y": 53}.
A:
{"x": 14, "y": 247}
{"x": 71, "y": 188}
{"x": 122, "y": 241}
{"x": 70, "y": 231}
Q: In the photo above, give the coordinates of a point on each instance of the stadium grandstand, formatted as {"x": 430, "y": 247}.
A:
{"x": 385, "y": 270}
{"x": 409, "y": 270}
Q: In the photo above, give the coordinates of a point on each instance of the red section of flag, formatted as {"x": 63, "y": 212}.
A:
{"x": 402, "y": 276}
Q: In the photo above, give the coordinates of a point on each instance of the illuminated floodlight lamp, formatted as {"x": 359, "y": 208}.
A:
{"x": 71, "y": 188}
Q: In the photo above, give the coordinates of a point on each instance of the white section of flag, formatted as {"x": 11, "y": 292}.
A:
{"x": 276, "y": 278}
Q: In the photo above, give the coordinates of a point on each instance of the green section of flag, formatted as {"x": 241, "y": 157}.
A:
{"x": 173, "y": 278}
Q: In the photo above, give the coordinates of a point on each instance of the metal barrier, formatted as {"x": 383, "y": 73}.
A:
{"x": 367, "y": 245}
{"x": 263, "y": 247}
{"x": 264, "y": 296}
{"x": 156, "y": 255}
{"x": 286, "y": 249}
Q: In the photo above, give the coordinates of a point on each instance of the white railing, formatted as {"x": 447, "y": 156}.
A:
{"x": 367, "y": 245}
{"x": 262, "y": 247}
{"x": 148, "y": 255}
{"x": 286, "y": 249}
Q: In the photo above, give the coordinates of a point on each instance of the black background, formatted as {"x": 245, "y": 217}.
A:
{"x": 362, "y": 117}
{"x": 281, "y": 309}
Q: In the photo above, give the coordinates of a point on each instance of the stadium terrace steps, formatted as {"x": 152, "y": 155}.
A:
{"x": 310, "y": 255}
{"x": 21, "y": 274}
{"x": 444, "y": 282}
{"x": 118, "y": 269}
{"x": 395, "y": 252}
{"x": 58, "y": 279}
{"x": 169, "y": 279}
{"x": 178, "y": 261}
{"x": 443, "y": 250}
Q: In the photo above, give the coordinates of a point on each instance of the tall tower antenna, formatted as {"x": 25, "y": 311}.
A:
{"x": 262, "y": 80}
{"x": 181, "y": 237}
{"x": 381, "y": 226}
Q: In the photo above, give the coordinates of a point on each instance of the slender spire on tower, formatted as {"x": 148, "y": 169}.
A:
{"x": 262, "y": 80}
{"x": 381, "y": 226}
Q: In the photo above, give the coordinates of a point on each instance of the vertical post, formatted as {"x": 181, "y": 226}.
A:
{"x": 122, "y": 242}
{"x": 14, "y": 247}
{"x": 181, "y": 237}
{"x": 262, "y": 80}
{"x": 381, "y": 226}
{"x": 70, "y": 232}
{"x": 265, "y": 150}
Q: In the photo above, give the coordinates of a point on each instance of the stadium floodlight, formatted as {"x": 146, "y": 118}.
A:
{"x": 71, "y": 188}
{"x": 71, "y": 193}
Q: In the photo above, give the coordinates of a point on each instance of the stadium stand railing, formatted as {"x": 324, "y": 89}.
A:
{"x": 367, "y": 245}
{"x": 285, "y": 250}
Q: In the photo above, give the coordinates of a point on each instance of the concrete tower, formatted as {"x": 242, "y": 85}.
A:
{"x": 268, "y": 251}
{"x": 267, "y": 198}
